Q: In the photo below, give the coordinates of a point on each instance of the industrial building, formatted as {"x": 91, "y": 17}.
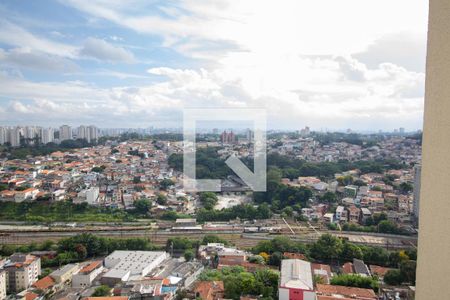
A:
{"x": 131, "y": 265}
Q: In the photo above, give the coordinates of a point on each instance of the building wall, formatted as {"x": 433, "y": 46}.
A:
{"x": 66, "y": 276}
{"x": 434, "y": 221}
{"x": 83, "y": 280}
{"x": 2, "y": 285}
{"x": 295, "y": 294}
{"x": 19, "y": 279}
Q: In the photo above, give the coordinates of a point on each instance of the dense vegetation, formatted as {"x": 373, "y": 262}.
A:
{"x": 384, "y": 226}
{"x": 405, "y": 273}
{"x": 328, "y": 249}
{"x": 238, "y": 282}
{"x": 46, "y": 212}
{"x": 211, "y": 166}
{"x": 332, "y": 249}
{"x": 79, "y": 248}
{"x": 279, "y": 195}
{"x": 355, "y": 280}
{"x": 293, "y": 168}
{"x": 244, "y": 211}
{"x": 43, "y": 149}
{"x": 182, "y": 243}
{"x": 102, "y": 291}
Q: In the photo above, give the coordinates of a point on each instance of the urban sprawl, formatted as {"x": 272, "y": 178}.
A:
{"x": 101, "y": 214}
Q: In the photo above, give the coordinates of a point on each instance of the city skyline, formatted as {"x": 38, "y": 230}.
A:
{"x": 128, "y": 65}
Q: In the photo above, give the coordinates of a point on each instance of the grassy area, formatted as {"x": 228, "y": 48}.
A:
{"x": 46, "y": 212}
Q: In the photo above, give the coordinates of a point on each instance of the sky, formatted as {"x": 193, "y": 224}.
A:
{"x": 323, "y": 63}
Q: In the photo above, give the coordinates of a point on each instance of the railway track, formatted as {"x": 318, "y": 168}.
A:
{"x": 235, "y": 236}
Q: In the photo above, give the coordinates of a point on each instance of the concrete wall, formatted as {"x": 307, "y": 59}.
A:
{"x": 434, "y": 221}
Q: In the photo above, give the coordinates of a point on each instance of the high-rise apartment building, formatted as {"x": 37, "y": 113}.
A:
{"x": 250, "y": 135}
{"x": 3, "y": 135}
{"x": 81, "y": 132}
{"x": 14, "y": 134}
{"x": 89, "y": 133}
{"x": 92, "y": 134}
{"x": 65, "y": 133}
{"x": 228, "y": 137}
{"x": 30, "y": 133}
{"x": 47, "y": 135}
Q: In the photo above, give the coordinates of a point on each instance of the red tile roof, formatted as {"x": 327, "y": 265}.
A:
{"x": 209, "y": 290}
{"x": 295, "y": 255}
{"x": 31, "y": 296}
{"x": 107, "y": 298}
{"x": 332, "y": 298}
{"x": 347, "y": 268}
{"x": 44, "y": 283}
{"x": 380, "y": 271}
{"x": 92, "y": 266}
{"x": 351, "y": 292}
{"x": 320, "y": 267}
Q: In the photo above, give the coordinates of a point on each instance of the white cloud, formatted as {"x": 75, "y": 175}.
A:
{"x": 323, "y": 63}
{"x": 403, "y": 48}
{"x": 102, "y": 50}
{"x": 14, "y": 35}
{"x": 30, "y": 59}
{"x": 388, "y": 96}
{"x": 300, "y": 26}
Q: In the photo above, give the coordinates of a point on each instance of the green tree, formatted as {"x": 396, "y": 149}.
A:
{"x": 355, "y": 280}
{"x": 136, "y": 179}
{"x": 288, "y": 211}
{"x": 189, "y": 254}
{"x": 81, "y": 251}
{"x": 102, "y": 291}
{"x": 161, "y": 199}
{"x": 275, "y": 259}
{"x": 98, "y": 169}
{"x": 406, "y": 187}
{"x": 375, "y": 255}
{"x": 359, "y": 182}
{"x": 166, "y": 183}
{"x": 329, "y": 197}
{"x": 351, "y": 251}
{"x": 408, "y": 271}
{"x": 211, "y": 238}
{"x": 393, "y": 277}
{"x": 327, "y": 247}
{"x": 387, "y": 226}
{"x": 208, "y": 200}
{"x": 142, "y": 206}
{"x": 345, "y": 180}
{"x": 257, "y": 259}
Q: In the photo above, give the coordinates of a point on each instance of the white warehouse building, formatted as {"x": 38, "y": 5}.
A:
{"x": 131, "y": 265}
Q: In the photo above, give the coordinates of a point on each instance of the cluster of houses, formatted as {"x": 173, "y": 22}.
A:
{"x": 402, "y": 148}
{"x": 115, "y": 176}
{"x": 357, "y": 203}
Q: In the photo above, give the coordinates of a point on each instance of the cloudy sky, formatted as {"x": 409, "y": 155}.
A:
{"x": 323, "y": 63}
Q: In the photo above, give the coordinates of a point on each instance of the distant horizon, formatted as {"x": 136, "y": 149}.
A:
{"x": 237, "y": 128}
